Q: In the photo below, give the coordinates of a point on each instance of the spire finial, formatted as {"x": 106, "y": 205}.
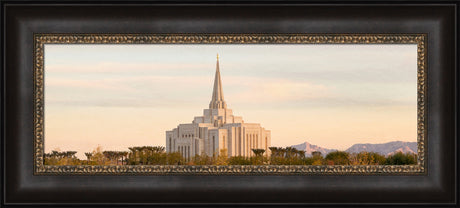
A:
{"x": 217, "y": 101}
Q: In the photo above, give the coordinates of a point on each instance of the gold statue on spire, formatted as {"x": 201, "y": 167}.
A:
{"x": 217, "y": 56}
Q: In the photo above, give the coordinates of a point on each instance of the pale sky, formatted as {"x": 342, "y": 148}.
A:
{"x": 334, "y": 96}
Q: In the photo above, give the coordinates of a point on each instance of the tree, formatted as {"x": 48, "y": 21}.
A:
{"x": 301, "y": 153}
{"x": 142, "y": 155}
{"x": 258, "y": 159}
{"x": 158, "y": 149}
{"x": 133, "y": 156}
{"x": 88, "y": 157}
{"x": 124, "y": 157}
{"x": 366, "y": 158}
{"x": 401, "y": 159}
{"x": 98, "y": 157}
{"x": 278, "y": 156}
{"x": 114, "y": 156}
{"x": 258, "y": 152}
{"x": 378, "y": 158}
{"x": 337, "y": 158}
{"x": 317, "y": 159}
{"x": 222, "y": 158}
{"x": 239, "y": 160}
{"x": 202, "y": 159}
{"x": 56, "y": 157}
{"x": 275, "y": 151}
{"x": 308, "y": 161}
{"x": 314, "y": 153}
{"x": 146, "y": 155}
{"x": 157, "y": 158}
{"x": 174, "y": 158}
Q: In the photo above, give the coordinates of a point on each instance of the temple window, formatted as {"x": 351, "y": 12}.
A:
{"x": 213, "y": 144}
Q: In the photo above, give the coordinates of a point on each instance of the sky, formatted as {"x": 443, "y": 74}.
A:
{"x": 331, "y": 95}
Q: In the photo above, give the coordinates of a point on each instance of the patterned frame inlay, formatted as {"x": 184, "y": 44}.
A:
{"x": 41, "y": 39}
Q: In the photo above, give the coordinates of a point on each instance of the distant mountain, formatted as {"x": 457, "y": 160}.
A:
{"x": 309, "y": 148}
{"x": 388, "y": 148}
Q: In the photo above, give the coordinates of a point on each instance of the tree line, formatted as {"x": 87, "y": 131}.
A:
{"x": 156, "y": 155}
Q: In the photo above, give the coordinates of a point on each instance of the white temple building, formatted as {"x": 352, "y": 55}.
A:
{"x": 217, "y": 129}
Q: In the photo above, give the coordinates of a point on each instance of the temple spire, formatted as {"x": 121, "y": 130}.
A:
{"x": 217, "y": 100}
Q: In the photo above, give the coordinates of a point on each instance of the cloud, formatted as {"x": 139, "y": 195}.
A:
{"x": 83, "y": 84}
{"x": 175, "y": 90}
{"x": 327, "y": 75}
{"x": 120, "y": 67}
{"x": 135, "y": 91}
{"x": 289, "y": 93}
{"x": 133, "y": 82}
{"x": 273, "y": 90}
{"x": 179, "y": 91}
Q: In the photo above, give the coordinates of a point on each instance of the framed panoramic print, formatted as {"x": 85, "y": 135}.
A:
{"x": 140, "y": 84}
{"x": 235, "y": 103}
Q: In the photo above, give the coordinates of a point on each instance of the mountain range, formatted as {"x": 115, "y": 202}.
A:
{"x": 388, "y": 148}
{"x": 309, "y": 148}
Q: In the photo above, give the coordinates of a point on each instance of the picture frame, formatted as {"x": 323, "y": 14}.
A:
{"x": 41, "y": 40}
{"x": 24, "y": 22}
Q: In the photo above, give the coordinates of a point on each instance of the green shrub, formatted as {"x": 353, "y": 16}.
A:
{"x": 239, "y": 160}
{"x": 337, "y": 158}
{"x": 401, "y": 159}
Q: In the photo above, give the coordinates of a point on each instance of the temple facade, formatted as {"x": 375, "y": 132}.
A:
{"x": 217, "y": 129}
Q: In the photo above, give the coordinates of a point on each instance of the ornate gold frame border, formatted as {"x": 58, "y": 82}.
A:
{"x": 41, "y": 39}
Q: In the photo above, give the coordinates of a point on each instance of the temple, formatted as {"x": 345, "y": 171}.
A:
{"x": 216, "y": 130}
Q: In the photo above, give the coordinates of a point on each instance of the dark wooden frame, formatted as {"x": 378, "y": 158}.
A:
{"x": 21, "y": 20}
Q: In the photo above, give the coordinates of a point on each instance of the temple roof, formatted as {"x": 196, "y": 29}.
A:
{"x": 217, "y": 100}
